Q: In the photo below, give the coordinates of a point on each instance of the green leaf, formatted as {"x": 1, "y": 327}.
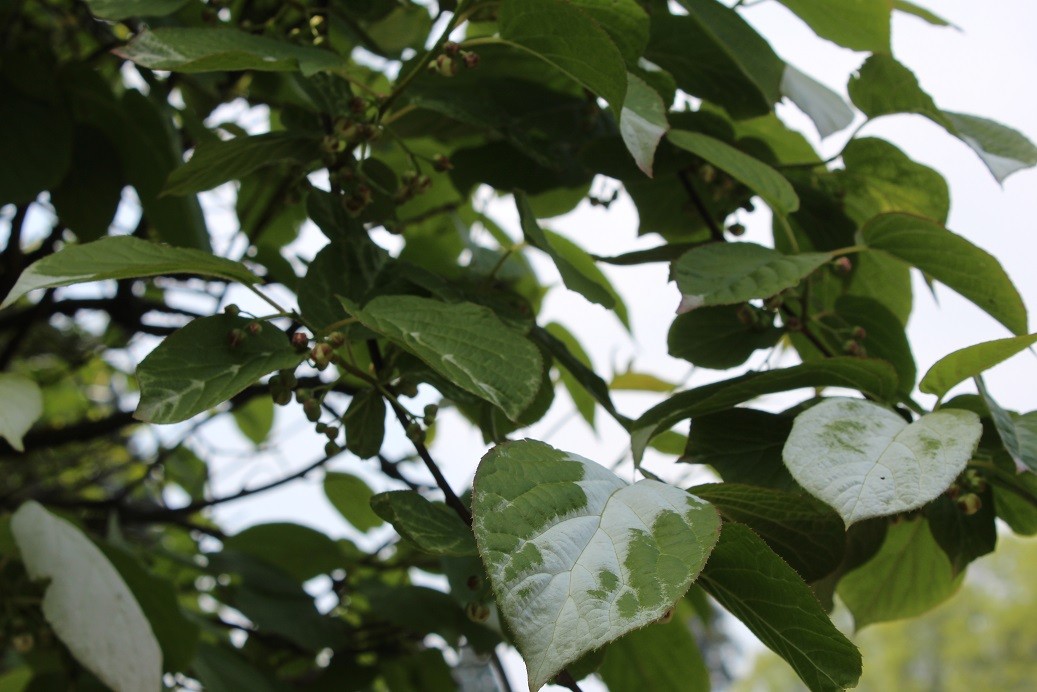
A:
{"x": 757, "y": 587}
{"x": 743, "y": 445}
{"x": 640, "y": 382}
{"x": 869, "y": 376}
{"x": 573, "y": 277}
{"x": 219, "y": 669}
{"x": 732, "y": 273}
{"x": 970, "y": 361}
{"x": 625, "y": 21}
{"x": 204, "y": 49}
{"x": 21, "y": 405}
{"x": 866, "y": 461}
{"x": 642, "y": 122}
{"x": 857, "y": 24}
{"x": 349, "y": 266}
{"x": 297, "y": 551}
{"x": 577, "y": 557}
{"x": 719, "y": 337}
{"x": 952, "y": 260}
{"x": 582, "y": 262}
{"x": 464, "y": 342}
{"x": 962, "y": 536}
{"x": 37, "y": 143}
{"x": 582, "y": 399}
{"x": 84, "y": 590}
{"x": 754, "y": 174}
{"x": 196, "y": 368}
{"x": 823, "y": 106}
{"x": 87, "y": 204}
{"x": 351, "y": 496}
{"x": 716, "y": 55}
{"x": 1018, "y": 440}
{"x": 1002, "y": 149}
{"x": 255, "y": 418}
{"x": 660, "y": 657}
{"x": 909, "y": 575}
{"x": 920, "y": 12}
{"x": 365, "y": 423}
{"x": 882, "y": 86}
{"x": 884, "y": 334}
{"x": 565, "y": 37}
{"x": 216, "y": 162}
{"x": 122, "y": 257}
{"x": 803, "y": 531}
{"x": 121, "y": 9}
{"x": 878, "y": 178}
{"x": 433, "y": 527}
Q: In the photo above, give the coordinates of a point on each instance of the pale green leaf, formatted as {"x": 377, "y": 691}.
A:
{"x": 866, "y": 461}
{"x": 351, "y": 496}
{"x": 870, "y": 376}
{"x": 970, "y": 361}
{"x": 121, "y": 9}
{"x": 951, "y": 260}
{"x": 122, "y": 257}
{"x": 564, "y": 36}
{"x": 911, "y": 8}
{"x": 642, "y": 122}
{"x": 909, "y": 575}
{"x": 206, "y": 49}
{"x": 1002, "y": 149}
{"x": 731, "y": 273}
{"x": 761, "y": 590}
{"x": 823, "y": 106}
{"x": 433, "y": 528}
{"x": 878, "y": 177}
{"x": 21, "y": 405}
{"x": 196, "y": 367}
{"x": 577, "y": 557}
{"x": 216, "y": 162}
{"x": 466, "y": 343}
{"x": 255, "y": 418}
{"x": 640, "y": 382}
{"x": 753, "y": 173}
{"x": 856, "y": 24}
{"x": 85, "y": 590}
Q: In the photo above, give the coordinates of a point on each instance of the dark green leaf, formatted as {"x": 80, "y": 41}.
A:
{"x": 434, "y": 528}
{"x": 195, "y": 49}
{"x": 716, "y": 55}
{"x": 299, "y": 551}
{"x": 971, "y": 361}
{"x": 196, "y": 367}
{"x": 122, "y": 257}
{"x": 909, "y": 575}
{"x": 351, "y": 496}
{"x": 121, "y": 9}
{"x": 87, "y": 203}
{"x": 349, "y": 266}
{"x": 872, "y": 377}
{"x": 802, "y": 530}
{"x": 743, "y": 445}
{"x": 365, "y": 424}
{"x": 217, "y": 162}
{"x": 582, "y": 399}
{"x": 758, "y": 588}
{"x": 36, "y": 139}
{"x": 625, "y": 21}
{"x": 221, "y": 670}
{"x": 420, "y": 610}
{"x": 952, "y": 260}
{"x": 719, "y": 338}
{"x": 964, "y": 537}
{"x": 1019, "y": 441}
{"x": 756, "y": 175}
{"x": 858, "y": 24}
{"x": 884, "y": 334}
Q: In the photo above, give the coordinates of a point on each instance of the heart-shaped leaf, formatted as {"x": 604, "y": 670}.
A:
{"x": 577, "y": 557}
{"x": 866, "y": 461}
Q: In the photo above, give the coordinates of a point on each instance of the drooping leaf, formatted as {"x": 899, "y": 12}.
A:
{"x": 866, "y": 461}
{"x": 1002, "y": 149}
{"x": 970, "y": 361}
{"x": 580, "y": 259}
{"x": 1017, "y": 439}
{"x": 778, "y": 607}
{"x": 909, "y": 575}
{"x": 216, "y": 162}
{"x": 37, "y": 143}
{"x": 576, "y": 556}
{"x": 754, "y": 174}
{"x": 582, "y": 399}
{"x": 660, "y": 657}
{"x": 642, "y": 122}
{"x": 743, "y": 445}
{"x": 351, "y": 496}
{"x": 856, "y": 24}
{"x": 433, "y": 528}
{"x": 633, "y": 381}
{"x": 823, "y": 106}
{"x": 732, "y": 273}
{"x": 565, "y": 37}
{"x": 197, "y": 367}
{"x": 205, "y": 49}
{"x": 870, "y": 376}
{"x": 951, "y": 260}
{"x": 87, "y": 203}
{"x": 926, "y": 15}
{"x": 716, "y": 55}
{"x": 464, "y": 342}
{"x": 721, "y": 337}
{"x": 84, "y": 590}
{"x": 122, "y": 257}
{"x": 255, "y": 419}
{"x": 21, "y": 405}
{"x": 364, "y": 422}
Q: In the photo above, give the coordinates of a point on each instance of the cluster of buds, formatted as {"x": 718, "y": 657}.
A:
{"x": 966, "y": 490}
{"x": 452, "y": 59}
{"x": 841, "y": 266}
{"x": 755, "y": 318}
{"x": 412, "y": 184}
{"x": 237, "y": 336}
{"x": 281, "y": 386}
{"x": 854, "y": 345}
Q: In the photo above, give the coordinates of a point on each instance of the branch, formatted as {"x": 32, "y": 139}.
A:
{"x": 715, "y": 231}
